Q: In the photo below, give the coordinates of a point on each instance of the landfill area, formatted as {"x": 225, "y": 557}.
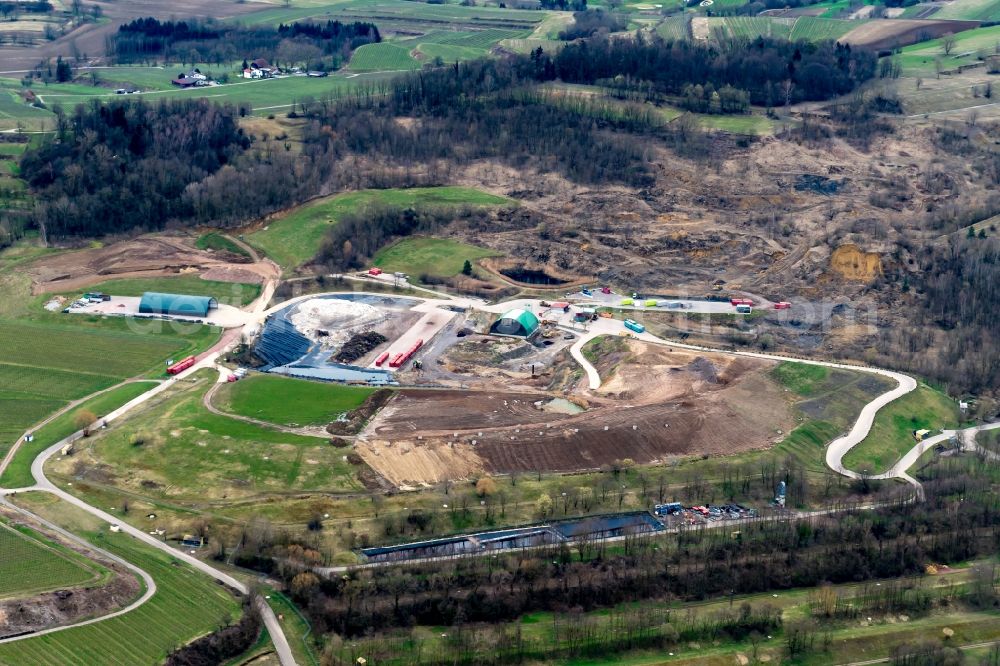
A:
{"x": 301, "y": 339}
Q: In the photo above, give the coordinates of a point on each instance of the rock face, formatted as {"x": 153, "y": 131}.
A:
{"x": 852, "y": 263}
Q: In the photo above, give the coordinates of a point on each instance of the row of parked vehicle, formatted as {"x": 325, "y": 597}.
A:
{"x": 707, "y": 513}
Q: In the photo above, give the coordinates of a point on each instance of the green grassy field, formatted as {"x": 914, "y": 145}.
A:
{"x": 829, "y": 402}
{"x": 284, "y": 400}
{"x": 14, "y": 112}
{"x": 263, "y": 95}
{"x": 296, "y": 237}
{"x": 46, "y": 364}
{"x": 801, "y": 378}
{"x": 387, "y": 12}
{"x": 920, "y": 59}
{"x": 972, "y": 10}
{"x": 231, "y": 293}
{"x": 219, "y": 243}
{"x": 176, "y": 448}
{"x": 428, "y": 256}
{"x": 989, "y": 440}
{"x": 31, "y": 564}
{"x": 186, "y": 604}
{"x": 448, "y": 53}
{"x": 892, "y": 433}
{"x": 18, "y": 473}
{"x": 750, "y": 124}
{"x": 383, "y": 57}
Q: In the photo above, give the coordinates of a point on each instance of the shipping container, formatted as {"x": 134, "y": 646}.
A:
{"x": 181, "y": 366}
{"x": 381, "y": 359}
{"x": 374, "y": 271}
{"x": 783, "y": 305}
{"x": 400, "y": 359}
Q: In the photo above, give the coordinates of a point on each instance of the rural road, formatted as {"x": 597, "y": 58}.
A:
{"x": 429, "y": 306}
{"x": 837, "y": 449}
{"x": 43, "y": 484}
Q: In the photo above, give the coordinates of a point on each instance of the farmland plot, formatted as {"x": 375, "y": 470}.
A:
{"x": 43, "y": 366}
{"x": 383, "y": 57}
{"x": 186, "y": 605}
{"x": 814, "y": 29}
{"x": 30, "y": 565}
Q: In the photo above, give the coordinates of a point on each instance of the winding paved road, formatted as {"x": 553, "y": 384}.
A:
{"x": 146, "y": 595}
{"x": 258, "y": 312}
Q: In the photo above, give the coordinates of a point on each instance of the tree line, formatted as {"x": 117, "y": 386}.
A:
{"x": 770, "y": 71}
{"x": 148, "y": 39}
{"x": 125, "y": 165}
{"x": 959, "y": 521}
{"x": 354, "y": 240}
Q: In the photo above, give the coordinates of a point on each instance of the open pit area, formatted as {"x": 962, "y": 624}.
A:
{"x": 656, "y": 404}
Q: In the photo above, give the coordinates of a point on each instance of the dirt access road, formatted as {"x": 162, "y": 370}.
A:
{"x": 838, "y": 448}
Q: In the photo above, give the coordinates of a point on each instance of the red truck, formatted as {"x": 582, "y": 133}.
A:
{"x": 181, "y": 366}
{"x": 740, "y": 301}
{"x": 783, "y": 305}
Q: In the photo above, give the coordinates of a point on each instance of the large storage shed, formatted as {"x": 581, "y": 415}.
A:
{"x": 516, "y": 322}
{"x": 183, "y": 305}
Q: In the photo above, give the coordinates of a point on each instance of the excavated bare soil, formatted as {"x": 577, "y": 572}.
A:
{"x": 153, "y": 255}
{"x": 658, "y": 404}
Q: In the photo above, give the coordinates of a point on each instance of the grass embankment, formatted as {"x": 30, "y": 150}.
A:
{"x": 32, "y": 564}
{"x": 230, "y": 293}
{"x": 297, "y": 630}
{"x": 219, "y": 243}
{"x": 186, "y": 604}
{"x": 828, "y": 402}
{"x": 18, "y": 473}
{"x": 891, "y": 435}
{"x": 287, "y": 401}
{"x": 989, "y": 440}
{"x": 605, "y": 353}
{"x": 437, "y": 257}
{"x": 176, "y": 448}
{"x": 295, "y": 237}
